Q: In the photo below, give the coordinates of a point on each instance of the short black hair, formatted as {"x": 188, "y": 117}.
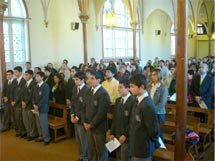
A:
{"x": 75, "y": 68}
{"x": 10, "y": 71}
{"x": 191, "y": 72}
{"x": 80, "y": 75}
{"x": 162, "y": 61}
{"x": 125, "y": 82}
{"x": 42, "y": 75}
{"x": 97, "y": 74}
{"x": 139, "y": 80}
{"x": 28, "y": 62}
{"x": 111, "y": 69}
{"x": 18, "y": 68}
{"x": 38, "y": 68}
{"x": 46, "y": 68}
{"x": 30, "y": 72}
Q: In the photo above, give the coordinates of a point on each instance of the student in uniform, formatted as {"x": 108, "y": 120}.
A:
{"x": 27, "y": 106}
{"x": 144, "y": 126}
{"x": 41, "y": 104}
{"x": 16, "y": 102}
{"x": 121, "y": 119}
{"x": 77, "y": 101}
{"x": 95, "y": 118}
{"x": 8, "y": 116}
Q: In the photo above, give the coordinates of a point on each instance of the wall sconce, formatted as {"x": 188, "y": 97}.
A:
{"x": 74, "y": 26}
{"x": 157, "y": 32}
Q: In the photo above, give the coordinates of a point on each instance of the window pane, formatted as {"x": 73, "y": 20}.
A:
{"x": 16, "y": 9}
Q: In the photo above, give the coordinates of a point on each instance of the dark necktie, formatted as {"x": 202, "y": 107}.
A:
{"x": 122, "y": 102}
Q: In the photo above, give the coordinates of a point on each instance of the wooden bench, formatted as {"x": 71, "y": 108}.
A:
{"x": 57, "y": 122}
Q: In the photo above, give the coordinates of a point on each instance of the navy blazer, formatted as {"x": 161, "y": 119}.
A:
{"x": 205, "y": 90}
{"x": 77, "y": 102}
{"x": 7, "y": 89}
{"x": 28, "y": 94}
{"x": 41, "y": 98}
{"x": 121, "y": 118}
{"x": 95, "y": 110}
{"x": 17, "y": 92}
{"x": 144, "y": 127}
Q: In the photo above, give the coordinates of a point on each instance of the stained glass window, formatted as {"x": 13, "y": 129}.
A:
{"x": 118, "y": 40}
{"x": 15, "y": 34}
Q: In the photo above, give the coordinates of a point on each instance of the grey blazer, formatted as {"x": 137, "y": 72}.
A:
{"x": 160, "y": 98}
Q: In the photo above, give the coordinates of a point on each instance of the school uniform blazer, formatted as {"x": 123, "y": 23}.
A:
{"x": 205, "y": 90}
{"x": 7, "y": 89}
{"x": 95, "y": 110}
{"x": 69, "y": 86}
{"x": 121, "y": 118}
{"x": 28, "y": 94}
{"x": 17, "y": 92}
{"x": 77, "y": 102}
{"x": 144, "y": 127}
{"x": 41, "y": 98}
{"x": 160, "y": 98}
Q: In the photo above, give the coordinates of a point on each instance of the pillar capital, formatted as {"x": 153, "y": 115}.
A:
{"x": 83, "y": 17}
{"x": 133, "y": 24}
{"x": 3, "y": 6}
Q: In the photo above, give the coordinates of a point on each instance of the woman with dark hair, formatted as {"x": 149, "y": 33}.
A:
{"x": 59, "y": 90}
{"x": 134, "y": 69}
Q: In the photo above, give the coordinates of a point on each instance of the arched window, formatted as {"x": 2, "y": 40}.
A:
{"x": 118, "y": 40}
{"x": 15, "y": 34}
{"x": 173, "y": 41}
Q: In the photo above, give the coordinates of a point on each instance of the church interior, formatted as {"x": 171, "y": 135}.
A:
{"x": 167, "y": 46}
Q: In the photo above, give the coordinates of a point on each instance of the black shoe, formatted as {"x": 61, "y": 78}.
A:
{"x": 46, "y": 142}
{"x": 24, "y": 136}
{"x": 30, "y": 138}
{"x": 80, "y": 160}
{"x": 18, "y": 134}
{"x": 38, "y": 139}
{"x": 5, "y": 130}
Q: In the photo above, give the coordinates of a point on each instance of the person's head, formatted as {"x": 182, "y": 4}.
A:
{"x": 134, "y": 66}
{"x": 172, "y": 71}
{"x": 109, "y": 73}
{"x": 39, "y": 77}
{"x": 28, "y": 65}
{"x": 17, "y": 71}
{"x": 47, "y": 71}
{"x": 102, "y": 61}
{"x": 79, "y": 78}
{"x": 123, "y": 87}
{"x": 161, "y": 63}
{"x": 193, "y": 67}
{"x": 37, "y": 69}
{"x": 138, "y": 84}
{"x": 73, "y": 71}
{"x": 58, "y": 78}
{"x": 63, "y": 67}
{"x": 190, "y": 74}
{"x": 156, "y": 76}
{"x": 122, "y": 69}
{"x": 50, "y": 65}
{"x": 9, "y": 74}
{"x": 203, "y": 68}
{"x": 94, "y": 78}
{"x": 28, "y": 75}
{"x": 92, "y": 60}
{"x": 65, "y": 61}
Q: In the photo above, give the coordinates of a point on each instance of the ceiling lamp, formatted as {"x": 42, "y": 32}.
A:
{"x": 110, "y": 19}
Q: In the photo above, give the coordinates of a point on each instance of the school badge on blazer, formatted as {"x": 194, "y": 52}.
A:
{"x": 126, "y": 113}
{"x": 95, "y": 103}
{"x": 137, "y": 117}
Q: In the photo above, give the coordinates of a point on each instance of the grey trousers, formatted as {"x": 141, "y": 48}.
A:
{"x": 29, "y": 122}
{"x": 6, "y": 117}
{"x": 123, "y": 153}
{"x": 38, "y": 126}
{"x": 81, "y": 139}
{"x": 96, "y": 146}
{"x": 19, "y": 121}
{"x": 45, "y": 126}
{"x": 141, "y": 159}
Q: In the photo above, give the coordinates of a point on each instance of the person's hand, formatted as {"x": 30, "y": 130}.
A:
{"x": 68, "y": 102}
{"x": 5, "y": 99}
{"x": 122, "y": 139}
{"x": 111, "y": 137}
{"x": 87, "y": 126}
{"x": 198, "y": 99}
{"x": 13, "y": 103}
{"x": 74, "y": 119}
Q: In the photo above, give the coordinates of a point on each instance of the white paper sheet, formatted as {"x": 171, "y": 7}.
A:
{"x": 162, "y": 145}
{"x": 112, "y": 145}
{"x": 173, "y": 97}
{"x": 203, "y": 105}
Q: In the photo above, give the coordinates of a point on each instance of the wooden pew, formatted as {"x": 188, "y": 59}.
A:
{"x": 57, "y": 122}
